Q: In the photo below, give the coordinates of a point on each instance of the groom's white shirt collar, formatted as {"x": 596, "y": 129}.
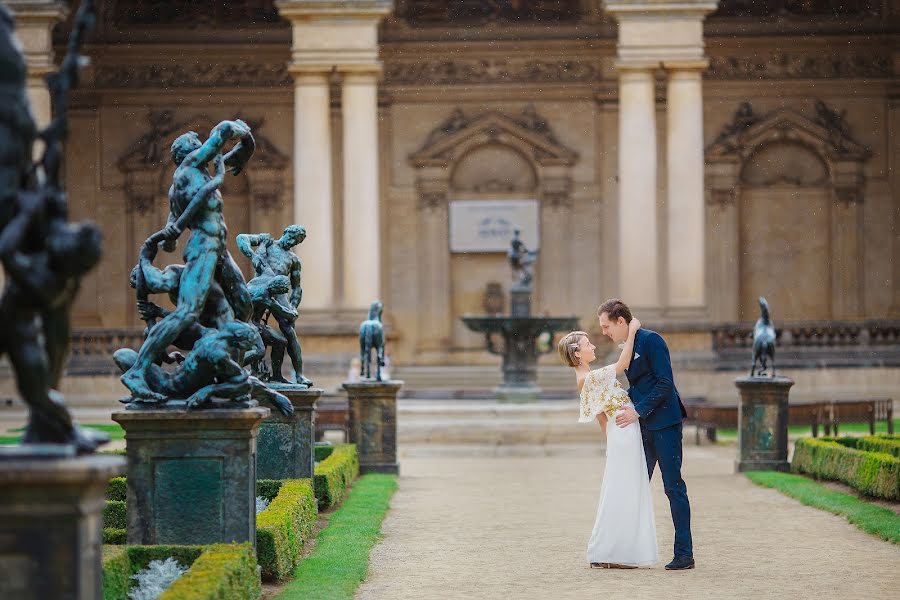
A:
{"x": 622, "y": 347}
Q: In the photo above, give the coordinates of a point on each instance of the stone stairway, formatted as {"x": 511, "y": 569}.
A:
{"x": 476, "y": 381}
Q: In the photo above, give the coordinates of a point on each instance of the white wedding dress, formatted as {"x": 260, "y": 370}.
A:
{"x": 624, "y": 531}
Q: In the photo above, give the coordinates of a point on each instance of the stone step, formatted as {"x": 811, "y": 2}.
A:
{"x": 477, "y": 377}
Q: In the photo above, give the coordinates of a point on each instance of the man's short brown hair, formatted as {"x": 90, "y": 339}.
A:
{"x": 615, "y": 308}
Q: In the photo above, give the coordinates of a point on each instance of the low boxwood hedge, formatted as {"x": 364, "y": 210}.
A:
{"x": 335, "y": 474}
{"x": 323, "y": 451}
{"x": 115, "y": 490}
{"x": 217, "y": 572}
{"x": 114, "y": 535}
{"x": 283, "y": 528}
{"x": 872, "y": 473}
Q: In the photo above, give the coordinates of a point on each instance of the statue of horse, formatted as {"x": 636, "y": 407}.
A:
{"x": 763, "y": 341}
{"x": 371, "y": 337}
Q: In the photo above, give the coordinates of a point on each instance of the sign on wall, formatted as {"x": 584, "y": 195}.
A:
{"x": 488, "y": 225}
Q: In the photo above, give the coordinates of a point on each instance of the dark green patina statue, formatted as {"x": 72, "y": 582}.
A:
{"x": 371, "y": 337}
{"x": 763, "y": 341}
{"x": 521, "y": 259}
{"x": 43, "y": 255}
{"x": 273, "y": 258}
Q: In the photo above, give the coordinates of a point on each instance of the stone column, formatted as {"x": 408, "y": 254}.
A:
{"x": 763, "y": 424}
{"x": 362, "y": 249}
{"x": 191, "y": 474}
{"x": 638, "y": 253}
{"x": 51, "y": 522}
{"x": 373, "y": 424}
{"x": 685, "y": 206}
{"x": 313, "y": 194}
{"x": 285, "y": 443}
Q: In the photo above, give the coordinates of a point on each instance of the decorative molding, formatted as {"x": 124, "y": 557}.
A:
{"x": 490, "y": 70}
{"x": 784, "y": 65}
{"x": 528, "y": 131}
{"x": 791, "y": 9}
{"x": 209, "y": 75}
{"x": 191, "y": 14}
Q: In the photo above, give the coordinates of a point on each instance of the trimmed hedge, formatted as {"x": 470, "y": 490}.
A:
{"x": 323, "y": 452}
{"x": 268, "y": 488}
{"x": 116, "y": 489}
{"x": 217, "y": 572}
{"x": 114, "y": 515}
{"x": 283, "y": 527}
{"x": 335, "y": 474}
{"x": 872, "y": 473}
{"x": 115, "y": 536}
{"x": 221, "y": 572}
{"x": 116, "y": 572}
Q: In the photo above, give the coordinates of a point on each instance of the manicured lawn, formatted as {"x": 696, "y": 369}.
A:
{"x": 114, "y": 430}
{"x": 869, "y": 517}
{"x": 340, "y": 560}
{"x": 880, "y": 427}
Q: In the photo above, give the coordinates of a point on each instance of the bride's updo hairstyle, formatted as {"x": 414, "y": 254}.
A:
{"x": 568, "y": 346}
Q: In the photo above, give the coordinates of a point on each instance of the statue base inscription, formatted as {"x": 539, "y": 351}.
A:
{"x": 373, "y": 424}
{"x": 191, "y": 474}
{"x": 285, "y": 443}
{"x": 51, "y": 521}
{"x": 763, "y": 424}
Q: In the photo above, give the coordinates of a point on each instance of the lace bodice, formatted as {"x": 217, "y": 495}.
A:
{"x": 601, "y": 392}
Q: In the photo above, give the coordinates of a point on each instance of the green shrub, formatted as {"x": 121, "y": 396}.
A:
{"x": 116, "y": 452}
{"x": 140, "y": 556}
{"x": 335, "y": 474}
{"x": 283, "y": 527}
{"x": 114, "y": 536}
{"x": 872, "y": 473}
{"x": 116, "y": 572}
{"x": 116, "y": 489}
{"x": 114, "y": 515}
{"x": 880, "y": 444}
{"x": 323, "y": 452}
{"x": 221, "y": 572}
{"x": 268, "y": 488}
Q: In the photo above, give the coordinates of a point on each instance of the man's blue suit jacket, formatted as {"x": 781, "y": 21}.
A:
{"x": 652, "y": 388}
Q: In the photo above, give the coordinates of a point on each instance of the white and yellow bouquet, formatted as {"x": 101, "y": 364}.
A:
{"x": 601, "y": 392}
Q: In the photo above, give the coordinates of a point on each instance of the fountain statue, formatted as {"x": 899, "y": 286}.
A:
{"x": 519, "y": 330}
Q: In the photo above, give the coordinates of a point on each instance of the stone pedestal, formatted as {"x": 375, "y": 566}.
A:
{"x": 191, "y": 474}
{"x": 51, "y": 518}
{"x": 763, "y": 424}
{"x": 285, "y": 444}
{"x": 373, "y": 424}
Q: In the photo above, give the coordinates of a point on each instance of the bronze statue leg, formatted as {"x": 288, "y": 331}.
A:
{"x": 293, "y": 350}
{"x": 192, "y": 293}
{"x": 234, "y": 286}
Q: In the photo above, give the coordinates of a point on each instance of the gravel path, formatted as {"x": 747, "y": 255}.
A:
{"x": 504, "y": 525}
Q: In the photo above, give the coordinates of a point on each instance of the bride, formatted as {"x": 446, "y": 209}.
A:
{"x": 624, "y": 534}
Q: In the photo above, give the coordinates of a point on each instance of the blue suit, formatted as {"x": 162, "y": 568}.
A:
{"x": 652, "y": 391}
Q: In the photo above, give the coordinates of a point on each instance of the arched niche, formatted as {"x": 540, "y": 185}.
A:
{"x": 784, "y": 216}
{"x": 490, "y": 156}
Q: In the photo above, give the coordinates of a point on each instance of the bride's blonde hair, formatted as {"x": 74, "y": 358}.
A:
{"x": 568, "y": 346}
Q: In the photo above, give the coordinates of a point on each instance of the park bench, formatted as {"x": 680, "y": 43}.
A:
{"x": 332, "y": 414}
{"x": 829, "y": 414}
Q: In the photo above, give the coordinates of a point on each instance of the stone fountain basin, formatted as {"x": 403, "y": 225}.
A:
{"x": 519, "y": 326}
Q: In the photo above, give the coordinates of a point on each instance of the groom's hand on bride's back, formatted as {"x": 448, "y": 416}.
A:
{"x": 626, "y": 417}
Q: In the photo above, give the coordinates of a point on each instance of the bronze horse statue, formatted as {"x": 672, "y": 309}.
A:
{"x": 371, "y": 337}
{"x": 763, "y": 341}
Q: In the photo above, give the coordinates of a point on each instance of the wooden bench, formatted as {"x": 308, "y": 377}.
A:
{"x": 332, "y": 414}
{"x": 827, "y": 413}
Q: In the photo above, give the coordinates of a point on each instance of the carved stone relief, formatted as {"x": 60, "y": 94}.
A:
{"x": 241, "y": 74}
{"x": 490, "y": 70}
{"x": 784, "y": 65}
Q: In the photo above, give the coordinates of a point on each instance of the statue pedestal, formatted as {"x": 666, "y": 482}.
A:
{"x": 285, "y": 444}
{"x": 51, "y": 519}
{"x": 373, "y": 424}
{"x": 763, "y": 424}
{"x": 191, "y": 474}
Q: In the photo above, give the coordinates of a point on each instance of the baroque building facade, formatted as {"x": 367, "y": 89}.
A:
{"x": 687, "y": 156}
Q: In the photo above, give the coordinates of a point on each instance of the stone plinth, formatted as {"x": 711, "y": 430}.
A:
{"x": 285, "y": 444}
{"x": 191, "y": 474}
{"x": 763, "y": 424}
{"x": 51, "y": 519}
{"x": 373, "y": 424}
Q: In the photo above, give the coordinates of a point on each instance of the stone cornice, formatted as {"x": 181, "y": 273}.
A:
{"x": 325, "y": 9}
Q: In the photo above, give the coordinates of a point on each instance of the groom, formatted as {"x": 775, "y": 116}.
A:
{"x": 659, "y": 408}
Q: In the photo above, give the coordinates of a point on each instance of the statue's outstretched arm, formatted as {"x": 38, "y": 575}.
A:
{"x": 247, "y": 241}
{"x": 221, "y": 133}
{"x": 281, "y": 311}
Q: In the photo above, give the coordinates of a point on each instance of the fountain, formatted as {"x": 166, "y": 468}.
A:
{"x": 520, "y": 330}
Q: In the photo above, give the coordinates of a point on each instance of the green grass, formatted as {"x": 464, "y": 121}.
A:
{"x": 869, "y": 517}
{"x": 340, "y": 560}
{"x": 114, "y": 430}
{"x": 880, "y": 427}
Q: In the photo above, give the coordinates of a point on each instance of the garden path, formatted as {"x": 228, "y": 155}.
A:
{"x": 512, "y": 522}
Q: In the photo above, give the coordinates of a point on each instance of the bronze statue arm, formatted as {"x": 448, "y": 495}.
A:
{"x": 173, "y": 230}
{"x": 296, "y": 289}
{"x": 280, "y": 311}
{"x": 35, "y": 279}
{"x": 13, "y": 234}
{"x": 236, "y": 386}
{"x": 221, "y": 133}
{"x": 247, "y": 241}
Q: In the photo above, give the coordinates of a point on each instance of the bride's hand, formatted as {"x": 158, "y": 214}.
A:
{"x": 634, "y": 325}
